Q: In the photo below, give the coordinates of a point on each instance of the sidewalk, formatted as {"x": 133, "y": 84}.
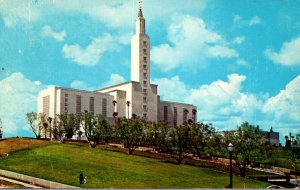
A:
{"x": 19, "y": 183}
{"x": 34, "y": 180}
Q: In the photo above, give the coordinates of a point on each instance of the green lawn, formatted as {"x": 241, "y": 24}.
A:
{"x": 105, "y": 169}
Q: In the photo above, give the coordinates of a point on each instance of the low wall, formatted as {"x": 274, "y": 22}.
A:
{"x": 34, "y": 180}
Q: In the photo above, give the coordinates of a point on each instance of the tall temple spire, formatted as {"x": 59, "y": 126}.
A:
{"x": 140, "y": 52}
{"x": 140, "y": 21}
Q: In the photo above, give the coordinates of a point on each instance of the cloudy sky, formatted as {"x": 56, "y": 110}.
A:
{"x": 235, "y": 60}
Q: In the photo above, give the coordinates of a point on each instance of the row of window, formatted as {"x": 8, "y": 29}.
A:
{"x": 91, "y": 106}
{"x": 46, "y": 102}
{"x": 184, "y": 115}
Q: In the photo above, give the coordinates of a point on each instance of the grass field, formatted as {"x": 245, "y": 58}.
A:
{"x": 105, "y": 169}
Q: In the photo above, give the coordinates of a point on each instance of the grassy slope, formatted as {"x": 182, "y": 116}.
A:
{"x": 104, "y": 169}
{"x": 13, "y": 144}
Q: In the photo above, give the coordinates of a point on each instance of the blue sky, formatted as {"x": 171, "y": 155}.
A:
{"x": 235, "y": 60}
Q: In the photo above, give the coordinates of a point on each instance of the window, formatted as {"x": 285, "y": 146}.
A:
{"x": 145, "y": 83}
{"x": 145, "y": 43}
{"x": 46, "y": 105}
{"x": 145, "y": 67}
{"x": 66, "y": 99}
{"x": 175, "y": 116}
{"x": 66, "y": 104}
{"x": 145, "y": 91}
{"x": 184, "y": 113}
{"x": 92, "y": 101}
{"x": 165, "y": 113}
{"x": 194, "y": 115}
{"x": 145, "y": 52}
{"x": 145, "y": 116}
{"x": 104, "y": 107}
{"x": 78, "y": 104}
{"x": 145, "y": 59}
{"x": 145, "y": 99}
{"x": 144, "y": 107}
{"x": 66, "y": 95}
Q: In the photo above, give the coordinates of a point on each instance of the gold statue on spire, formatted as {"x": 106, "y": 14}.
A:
{"x": 140, "y": 3}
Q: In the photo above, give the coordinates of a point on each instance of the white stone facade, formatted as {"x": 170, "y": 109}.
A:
{"x": 56, "y": 100}
{"x": 136, "y": 97}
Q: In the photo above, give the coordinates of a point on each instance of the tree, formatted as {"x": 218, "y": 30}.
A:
{"x": 200, "y": 135}
{"x": 157, "y": 135}
{"x": 42, "y": 123}
{"x": 130, "y": 132}
{"x": 32, "y": 120}
{"x": 97, "y": 129}
{"x": 68, "y": 123}
{"x": 179, "y": 140}
{"x": 248, "y": 142}
{"x": 294, "y": 152}
{"x": 56, "y": 129}
{"x": 1, "y": 132}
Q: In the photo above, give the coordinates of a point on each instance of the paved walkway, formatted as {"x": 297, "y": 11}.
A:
{"x": 19, "y": 182}
{"x": 34, "y": 180}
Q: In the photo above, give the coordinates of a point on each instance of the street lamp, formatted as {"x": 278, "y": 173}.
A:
{"x": 128, "y": 104}
{"x": 230, "y": 148}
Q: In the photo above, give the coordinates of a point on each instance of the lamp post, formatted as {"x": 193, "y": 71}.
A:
{"x": 128, "y": 104}
{"x": 230, "y": 148}
{"x": 115, "y": 114}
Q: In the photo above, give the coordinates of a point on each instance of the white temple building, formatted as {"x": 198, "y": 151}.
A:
{"x": 136, "y": 97}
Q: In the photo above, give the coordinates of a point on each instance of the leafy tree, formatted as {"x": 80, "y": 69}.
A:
{"x": 200, "y": 135}
{"x": 130, "y": 132}
{"x": 42, "y": 123}
{"x": 248, "y": 142}
{"x": 68, "y": 123}
{"x": 97, "y": 129}
{"x": 56, "y": 129}
{"x": 159, "y": 133}
{"x": 294, "y": 152}
{"x": 179, "y": 140}
{"x": 32, "y": 120}
{"x": 1, "y": 132}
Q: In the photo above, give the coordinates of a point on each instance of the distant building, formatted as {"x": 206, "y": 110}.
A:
{"x": 272, "y": 137}
{"x": 136, "y": 97}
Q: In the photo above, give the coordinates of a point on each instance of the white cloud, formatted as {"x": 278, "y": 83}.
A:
{"x": 221, "y": 52}
{"x": 242, "y": 62}
{"x": 285, "y": 106}
{"x": 254, "y": 21}
{"x": 238, "y": 21}
{"x": 237, "y": 18}
{"x": 224, "y": 101}
{"x": 164, "y": 86}
{"x": 18, "y": 96}
{"x": 114, "y": 79}
{"x": 90, "y": 55}
{"x": 288, "y": 55}
{"x": 190, "y": 40}
{"x": 15, "y": 11}
{"x": 77, "y": 84}
{"x": 225, "y": 105}
{"x": 238, "y": 40}
{"x": 118, "y": 13}
{"x": 48, "y": 32}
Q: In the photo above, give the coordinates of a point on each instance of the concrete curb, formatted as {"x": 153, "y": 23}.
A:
{"x": 34, "y": 180}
